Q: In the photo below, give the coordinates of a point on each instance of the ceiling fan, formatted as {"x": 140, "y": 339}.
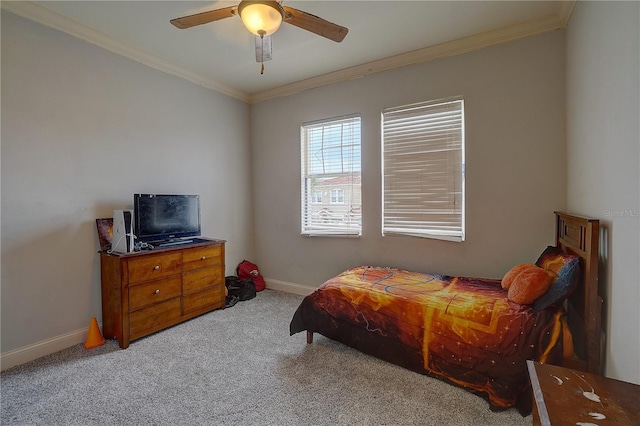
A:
{"x": 263, "y": 18}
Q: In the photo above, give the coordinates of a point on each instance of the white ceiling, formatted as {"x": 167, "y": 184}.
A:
{"x": 220, "y": 55}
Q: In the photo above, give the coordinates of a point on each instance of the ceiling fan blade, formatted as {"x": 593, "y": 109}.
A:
{"x": 204, "y": 17}
{"x": 316, "y": 25}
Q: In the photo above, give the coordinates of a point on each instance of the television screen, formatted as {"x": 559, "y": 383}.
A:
{"x": 166, "y": 217}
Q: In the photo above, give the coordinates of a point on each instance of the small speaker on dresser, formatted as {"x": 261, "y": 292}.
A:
{"x": 123, "y": 236}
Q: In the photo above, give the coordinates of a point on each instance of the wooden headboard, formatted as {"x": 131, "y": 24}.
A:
{"x": 581, "y": 236}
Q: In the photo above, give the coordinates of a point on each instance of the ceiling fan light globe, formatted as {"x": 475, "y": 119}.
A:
{"x": 261, "y": 17}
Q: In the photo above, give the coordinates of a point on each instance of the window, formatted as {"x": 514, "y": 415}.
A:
{"x": 423, "y": 170}
{"x": 331, "y": 177}
{"x": 337, "y": 196}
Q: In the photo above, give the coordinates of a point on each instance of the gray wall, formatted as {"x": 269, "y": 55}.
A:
{"x": 515, "y": 164}
{"x": 84, "y": 129}
{"x": 77, "y": 122}
{"x": 603, "y": 138}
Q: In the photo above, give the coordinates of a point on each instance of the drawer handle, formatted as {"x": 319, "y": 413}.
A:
{"x": 203, "y": 258}
{"x": 155, "y": 268}
{"x": 157, "y": 291}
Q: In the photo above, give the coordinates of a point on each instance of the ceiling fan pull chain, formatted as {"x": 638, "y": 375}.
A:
{"x": 262, "y": 34}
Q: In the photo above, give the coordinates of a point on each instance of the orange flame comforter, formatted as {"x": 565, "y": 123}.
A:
{"x": 458, "y": 329}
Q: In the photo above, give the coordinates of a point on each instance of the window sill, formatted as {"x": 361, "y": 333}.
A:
{"x": 331, "y": 234}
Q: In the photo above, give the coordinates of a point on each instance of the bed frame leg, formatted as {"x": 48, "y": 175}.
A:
{"x": 309, "y": 337}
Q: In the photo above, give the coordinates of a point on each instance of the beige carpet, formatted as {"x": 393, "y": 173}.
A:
{"x": 238, "y": 366}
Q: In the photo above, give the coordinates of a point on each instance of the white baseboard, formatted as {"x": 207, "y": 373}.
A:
{"x": 29, "y": 353}
{"x": 302, "y": 290}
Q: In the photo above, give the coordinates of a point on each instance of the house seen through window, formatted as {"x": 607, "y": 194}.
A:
{"x": 331, "y": 169}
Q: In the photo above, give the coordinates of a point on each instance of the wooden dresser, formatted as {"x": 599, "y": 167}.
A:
{"x": 144, "y": 292}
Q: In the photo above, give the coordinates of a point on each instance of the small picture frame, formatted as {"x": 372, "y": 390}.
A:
{"x": 105, "y": 232}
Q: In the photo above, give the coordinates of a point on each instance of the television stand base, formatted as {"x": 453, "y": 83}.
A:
{"x": 170, "y": 243}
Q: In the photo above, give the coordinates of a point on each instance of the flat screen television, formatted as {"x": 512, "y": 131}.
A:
{"x": 163, "y": 217}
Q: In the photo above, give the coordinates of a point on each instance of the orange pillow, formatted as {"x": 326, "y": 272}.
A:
{"x": 511, "y": 275}
{"x": 529, "y": 284}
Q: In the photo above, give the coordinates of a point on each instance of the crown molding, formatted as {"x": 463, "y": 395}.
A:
{"x": 520, "y": 30}
{"x": 49, "y": 18}
{"x": 566, "y": 10}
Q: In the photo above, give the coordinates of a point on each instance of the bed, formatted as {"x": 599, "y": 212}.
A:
{"x": 469, "y": 331}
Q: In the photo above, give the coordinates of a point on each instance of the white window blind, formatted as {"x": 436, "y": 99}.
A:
{"x": 423, "y": 170}
{"x": 331, "y": 199}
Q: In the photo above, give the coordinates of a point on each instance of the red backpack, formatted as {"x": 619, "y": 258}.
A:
{"x": 247, "y": 270}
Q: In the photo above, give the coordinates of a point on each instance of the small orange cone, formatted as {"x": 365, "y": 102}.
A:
{"x": 94, "y": 338}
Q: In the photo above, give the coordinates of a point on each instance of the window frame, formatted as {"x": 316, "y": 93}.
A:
{"x": 338, "y": 163}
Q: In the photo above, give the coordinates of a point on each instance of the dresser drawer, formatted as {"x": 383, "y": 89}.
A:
{"x": 202, "y": 257}
{"x": 155, "y": 266}
{"x": 153, "y": 292}
{"x": 201, "y": 278}
{"x": 155, "y": 317}
{"x": 209, "y": 298}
